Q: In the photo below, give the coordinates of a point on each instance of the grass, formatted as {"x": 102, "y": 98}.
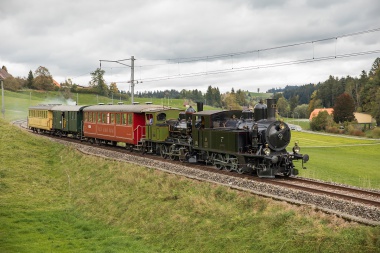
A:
{"x": 54, "y": 199}
{"x": 341, "y": 159}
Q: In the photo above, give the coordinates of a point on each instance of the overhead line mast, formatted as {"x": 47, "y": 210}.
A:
{"x": 132, "y": 66}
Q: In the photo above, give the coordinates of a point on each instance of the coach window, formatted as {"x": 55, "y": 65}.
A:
{"x": 112, "y": 118}
{"x": 99, "y": 117}
{"x": 124, "y": 119}
{"x": 130, "y": 119}
{"x": 117, "y": 118}
{"x": 86, "y": 116}
{"x": 104, "y": 117}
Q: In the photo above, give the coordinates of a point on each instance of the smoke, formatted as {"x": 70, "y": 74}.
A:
{"x": 59, "y": 101}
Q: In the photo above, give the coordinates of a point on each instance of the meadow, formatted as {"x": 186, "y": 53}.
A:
{"x": 342, "y": 159}
{"x": 55, "y": 199}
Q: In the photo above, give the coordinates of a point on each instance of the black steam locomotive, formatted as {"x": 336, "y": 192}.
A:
{"x": 233, "y": 140}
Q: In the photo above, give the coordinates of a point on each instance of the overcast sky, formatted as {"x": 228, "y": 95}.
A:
{"x": 166, "y": 37}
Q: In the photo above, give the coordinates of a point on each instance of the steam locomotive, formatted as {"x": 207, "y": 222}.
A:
{"x": 233, "y": 140}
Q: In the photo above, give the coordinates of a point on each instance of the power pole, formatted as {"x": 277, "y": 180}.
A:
{"x": 2, "y": 98}
{"x": 132, "y": 66}
{"x": 132, "y": 78}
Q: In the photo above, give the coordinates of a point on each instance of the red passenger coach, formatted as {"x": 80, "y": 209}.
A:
{"x": 116, "y": 123}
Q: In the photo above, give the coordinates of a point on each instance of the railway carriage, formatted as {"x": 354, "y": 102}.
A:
{"x": 40, "y": 118}
{"x": 117, "y": 123}
{"x": 68, "y": 119}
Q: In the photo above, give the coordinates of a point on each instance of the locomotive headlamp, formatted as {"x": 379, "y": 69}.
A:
{"x": 282, "y": 125}
{"x": 296, "y": 148}
{"x": 266, "y": 150}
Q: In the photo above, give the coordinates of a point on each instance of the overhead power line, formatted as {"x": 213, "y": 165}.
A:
{"x": 260, "y": 66}
{"x": 232, "y": 54}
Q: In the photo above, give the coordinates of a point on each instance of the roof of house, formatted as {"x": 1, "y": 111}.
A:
{"x": 4, "y": 74}
{"x": 56, "y": 83}
{"x": 316, "y": 111}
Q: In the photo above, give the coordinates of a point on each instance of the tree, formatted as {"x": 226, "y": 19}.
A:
{"x": 12, "y": 84}
{"x": 293, "y": 102}
{"x": 344, "y": 108}
{"x": 302, "y": 111}
{"x": 98, "y": 83}
{"x": 375, "y": 67}
{"x": 114, "y": 89}
{"x": 240, "y": 97}
{"x": 314, "y": 103}
{"x": 43, "y": 79}
{"x": 4, "y": 68}
{"x": 30, "y": 80}
{"x": 321, "y": 121}
{"x": 283, "y": 107}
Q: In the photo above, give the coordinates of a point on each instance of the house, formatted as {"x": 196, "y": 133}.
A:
{"x": 364, "y": 119}
{"x": 56, "y": 83}
{"x": 314, "y": 113}
{"x": 4, "y": 74}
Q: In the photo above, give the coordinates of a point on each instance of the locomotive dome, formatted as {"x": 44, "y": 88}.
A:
{"x": 260, "y": 111}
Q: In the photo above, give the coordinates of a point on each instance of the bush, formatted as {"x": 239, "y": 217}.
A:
{"x": 333, "y": 130}
{"x": 375, "y": 133}
{"x": 352, "y": 130}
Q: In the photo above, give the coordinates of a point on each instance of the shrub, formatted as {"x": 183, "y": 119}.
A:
{"x": 376, "y": 132}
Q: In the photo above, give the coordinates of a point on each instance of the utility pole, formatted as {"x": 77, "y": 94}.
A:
{"x": 132, "y": 66}
{"x": 132, "y": 78}
{"x": 2, "y": 98}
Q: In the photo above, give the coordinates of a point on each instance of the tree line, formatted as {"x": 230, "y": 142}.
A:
{"x": 359, "y": 94}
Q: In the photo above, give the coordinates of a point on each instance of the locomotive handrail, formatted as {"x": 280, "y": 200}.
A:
{"x": 140, "y": 128}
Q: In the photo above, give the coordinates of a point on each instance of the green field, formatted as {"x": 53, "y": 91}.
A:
{"x": 55, "y": 199}
{"x": 342, "y": 159}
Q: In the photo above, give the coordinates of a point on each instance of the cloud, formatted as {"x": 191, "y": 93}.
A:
{"x": 70, "y": 37}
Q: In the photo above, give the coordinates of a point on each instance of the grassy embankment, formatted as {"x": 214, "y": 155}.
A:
{"x": 54, "y": 199}
{"x": 341, "y": 159}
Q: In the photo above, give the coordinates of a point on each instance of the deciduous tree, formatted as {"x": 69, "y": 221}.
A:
{"x": 43, "y": 79}
{"x": 344, "y": 108}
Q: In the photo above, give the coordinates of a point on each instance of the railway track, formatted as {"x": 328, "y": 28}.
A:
{"x": 344, "y": 192}
{"x": 324, "y": 195}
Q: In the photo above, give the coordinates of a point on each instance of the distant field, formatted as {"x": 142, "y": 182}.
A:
{"x": 341, "y": 159}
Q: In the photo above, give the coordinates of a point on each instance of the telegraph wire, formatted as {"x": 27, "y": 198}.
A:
{"x": 261, "y": 66}
{"x": 216, "y": 56}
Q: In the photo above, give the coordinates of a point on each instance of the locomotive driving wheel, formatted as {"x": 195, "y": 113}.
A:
{"x": 164, "y": 151}
{"x": 219, "y": 161}
{"x": 172, "y": 152}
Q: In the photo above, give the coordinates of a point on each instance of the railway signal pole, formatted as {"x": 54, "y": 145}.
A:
{"x": 132, "y": 66}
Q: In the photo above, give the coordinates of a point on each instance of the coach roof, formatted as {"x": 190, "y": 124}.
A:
{"x": 43, "y": 107}
{"x": 68, "y": 108}
{"x": 127, "y": 108}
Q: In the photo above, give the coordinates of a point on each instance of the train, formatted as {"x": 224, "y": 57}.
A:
{"x": 246, "y": 142}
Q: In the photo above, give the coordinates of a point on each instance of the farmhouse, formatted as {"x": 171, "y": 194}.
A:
{"x": 314, "y": 113}
{"x": 363, "y": 119}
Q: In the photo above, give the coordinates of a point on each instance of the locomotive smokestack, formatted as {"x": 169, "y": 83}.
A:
{"x": 199, "y": 106}
{"x": 271, "y": 107}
